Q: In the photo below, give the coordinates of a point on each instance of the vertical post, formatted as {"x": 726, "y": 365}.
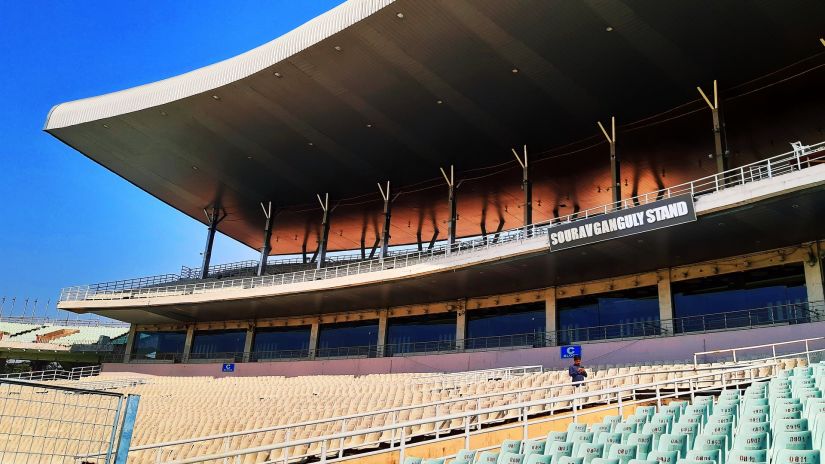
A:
{"x": 187, "y": 345}
{"x": 322, "y": 242}
{"x": 615, "y": 164}
{"x": 130, "y": 343}
{"x": 719, "y": 138}
{"x": 527, "y": 188}
{"x": 383, "y": 315}
{"x": 267, "y": 246}
{"x": 313, "y": 338}
{"x": 460, "y": 327}
{"x": 451, "y": 205}
{"x": 385, "y": 232}
{"x": 813, "y": 277}
{"x": 665, "y": 302}
{"x": 127, "y": 427}
{"x": 213, "y": 219}
{"x": 248, "y": 341}
{"x": 550, "y": 315}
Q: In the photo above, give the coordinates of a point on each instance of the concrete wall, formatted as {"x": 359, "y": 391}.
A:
{"x": 647, "y": 350}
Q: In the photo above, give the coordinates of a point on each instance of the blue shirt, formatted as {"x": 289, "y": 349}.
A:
{"x": 574, "y": 373}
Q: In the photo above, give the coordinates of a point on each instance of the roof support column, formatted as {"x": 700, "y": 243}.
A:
{"x": 130, "y": 343}
{"x": 615, "y": 164}
{"x": 452, "y": 207}
{"x": 550, "y": 317}
{"x": 322, "y": 242}
{"x": 813, "y": 277}
{"x": 719, "y": 138}
{"x": 187, "y": 344}
{"x": 213, "y": 219}
{"x": 385, "y": 232}
{"x": 665, "y": 303}
{"x": 267, "y": 246}
{"x": 527, "y": 188}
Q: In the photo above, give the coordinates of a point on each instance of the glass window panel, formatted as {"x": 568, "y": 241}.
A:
{"x": 740, "y": 299}
{"x": 207, "y": 343}
{"x": 281, "y": 342}
{"x": 513, "y": 325}
{"x": 432, "y": 332}
{"x": 158, "y": 345}
{"x": 348, "y": 339}
{"x": 620, "y": 314}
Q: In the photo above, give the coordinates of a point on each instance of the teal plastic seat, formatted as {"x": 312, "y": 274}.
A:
{"x": 625, "y": 429}
{"x": 663, "y": 457}
{"x": 674, "y": 410}
{"x": 576, "y": 427}
{"x": 751, "y": 441}
{"x": 507, "y": 457}
{"x": 556, "y": 436}
{"x": 643, "y": 442}
{"x": 413, "y": 460}
{"x": 793, "y": 440}
{"x": 569, "y": 460}
{"x": 598, "y": 429}
{"x": 639, "y": 420}
{"x": 487, "y": 457}
{"x": 755, "y": 427}
{"x": 588, "y": 451}
{"x": 753, "y": 418}
{"x": 712, "y": 442}
{"x": 703, "y": 455}
{"x": 534, "y": 447}
{"x": 798, "y": 457}
{"x": 578, "y": 438}
{"x": 739, "y": 456}
{"x": 624, "y": 453}
{"x": 433, "y": 461}
{"x": 558, "y": 449}
{"x": 693, "y": 409}
{"x": 729, "y": 395}
{"x": 656, "y": 430}
{"x": 538, "y": 459}
{"x": 673, "y": 442}
{"x": 663, "y": 418}
{"x": 648, "y": 411}
{"x": 511, "y": 446}
{"x": 690, "y": 430}
{"x": 693, "y": 461}
{"x": 790, "y": 425}
{"x": 608, "y": 439}
{"x": 612, "y": 420}
{"x": 692, "y": 419}
{"x": 750, "y": 408}
{"x": 465, "y": 455}
{"x": 605, "y": 461}
{"x": 725, "y": 429}
{"x": 642, "y": 461}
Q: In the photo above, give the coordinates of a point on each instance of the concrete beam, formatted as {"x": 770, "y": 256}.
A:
{"x": 382, "y": 332}
{"x": 130, "y": 343}
{"x": 187, "y": 345}
{"x": 247, "y": 345}
{"x": 665, "y": 301}
{"x": 813, "y": 279}
{"x": 460, "y": 328}
{"x": 550, "y": 317}
{"x": 313, "y": 338}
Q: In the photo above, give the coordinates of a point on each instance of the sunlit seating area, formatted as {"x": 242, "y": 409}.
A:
{"x": 62, "y": 333}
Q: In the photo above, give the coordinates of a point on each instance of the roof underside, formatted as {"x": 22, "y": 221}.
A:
{"x": 361, "y": 95}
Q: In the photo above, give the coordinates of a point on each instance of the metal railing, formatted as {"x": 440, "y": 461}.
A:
{"x": 55, "y": 424}
{"x": 64, "y": 322}
{"x": 780, "y": 314}
{"x": 395, "y": 434}
{"x": 772, "y": 346}
{"x": 55, "y": 374}
{"x": 800, "y": 158}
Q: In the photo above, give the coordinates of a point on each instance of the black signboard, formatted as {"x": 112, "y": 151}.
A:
{"x": 663, "y": 213}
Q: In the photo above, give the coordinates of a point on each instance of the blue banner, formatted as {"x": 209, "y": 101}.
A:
{"x": 228, "y": 367}
{"x": 570, "y": 350}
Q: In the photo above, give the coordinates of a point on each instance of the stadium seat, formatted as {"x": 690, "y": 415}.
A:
{"x": 787, "y": 456}
{"x": 624, "y": 453}
{"x": 664, "y": 457}
{"x": 507, "y": 457}
{"x": 538, "y": 459}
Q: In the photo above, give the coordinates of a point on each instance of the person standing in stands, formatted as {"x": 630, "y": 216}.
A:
{"x": 576, "y": 371}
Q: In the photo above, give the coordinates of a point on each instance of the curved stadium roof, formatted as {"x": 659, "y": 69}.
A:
{"x": 375, "y": 90}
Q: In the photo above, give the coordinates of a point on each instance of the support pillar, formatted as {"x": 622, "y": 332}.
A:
{"x": 383, "y": 316}
{"x": 615, "y": 164}
{"x": 313, "y": 338}
{"x": 527, "y": 188}
{"x": 385, "y": 232}
{"x": 550, "y": 318}
{"x": 248, "y": 342}
{"x": 451, "y": 222}
{"x": 322, "y": 242}
{"x": 267, "y": 245}
{"x": 665, "y": 303}
{"x": 213, "y": 219}
{"x": 460, "y": 327}
{"x": 813, "y": 279}
{"x": 187, "y": 345}
{"x": 130, "y": 343}
{"x": 720, "y": 149}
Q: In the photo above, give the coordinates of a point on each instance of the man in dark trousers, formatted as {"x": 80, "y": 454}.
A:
{"x": 576, "y": 371}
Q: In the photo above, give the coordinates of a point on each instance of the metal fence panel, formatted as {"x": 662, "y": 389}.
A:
{"x": 46, "y": 424}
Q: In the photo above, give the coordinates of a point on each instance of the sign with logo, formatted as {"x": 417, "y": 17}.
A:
{"x": 663, "y": 213}
{"x": 570, "y": 351}
{"x": 228, "y": 367}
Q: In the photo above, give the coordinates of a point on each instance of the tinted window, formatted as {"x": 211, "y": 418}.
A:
{"x": 348, "y": 338}
{"x": 281, "y": 342}
{"x": 158, "y": 345}
{"x": 625, "y": 313}
{"x": 514, "y": 325}
{"x": 207, "y": 343}
{"x": 434, "y": 332}
{"x": 760, "y": 296}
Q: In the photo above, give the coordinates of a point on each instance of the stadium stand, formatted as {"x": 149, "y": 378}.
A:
{"x": 60, "y": 332}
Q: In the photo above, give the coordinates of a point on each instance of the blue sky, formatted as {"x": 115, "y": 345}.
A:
{"x": 65, "y": 220}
